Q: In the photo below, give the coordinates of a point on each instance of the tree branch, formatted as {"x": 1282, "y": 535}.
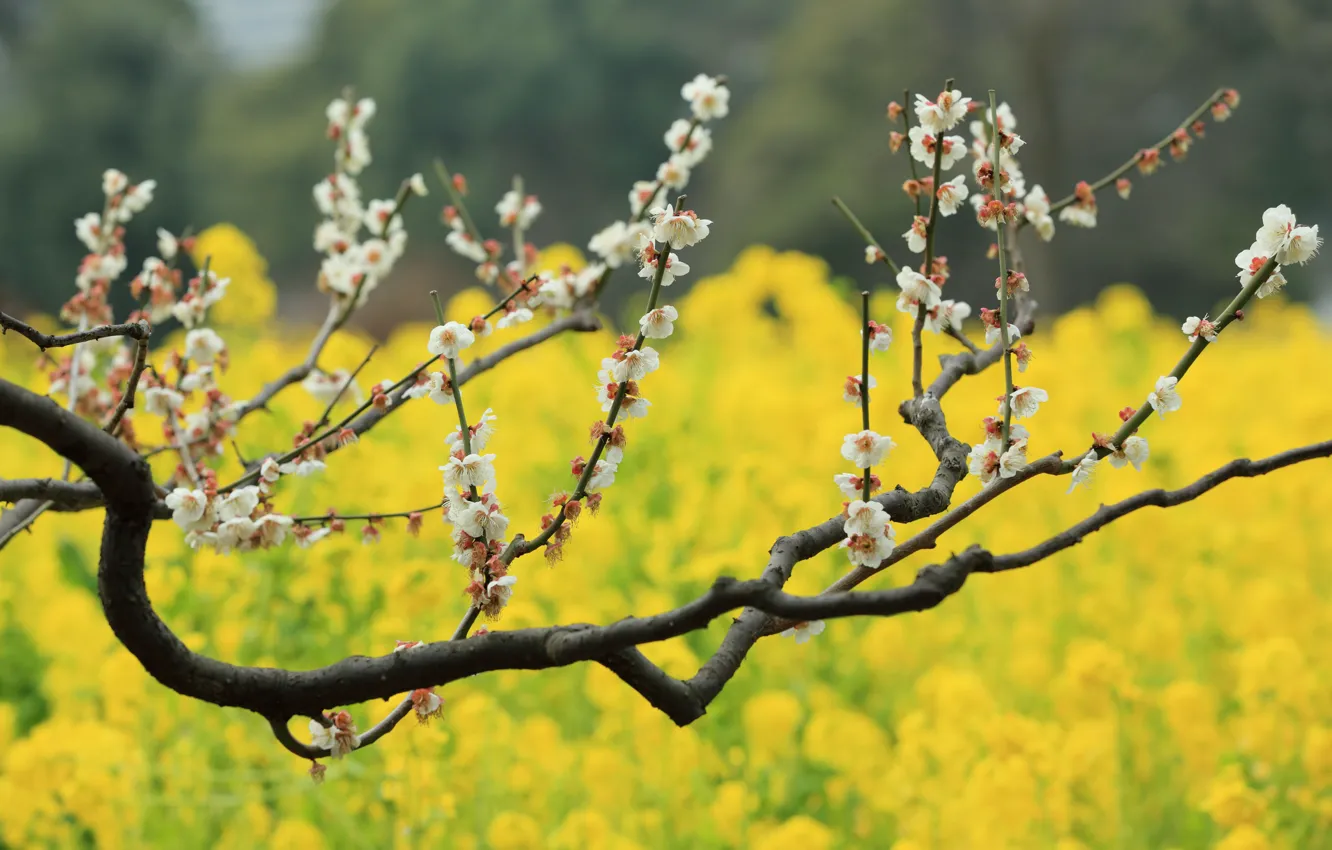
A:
{"x": 125, "y": 480}
{"x": 134, "y": 330}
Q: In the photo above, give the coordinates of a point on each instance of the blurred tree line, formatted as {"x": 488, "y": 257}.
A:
{"x": 575, "y": 96}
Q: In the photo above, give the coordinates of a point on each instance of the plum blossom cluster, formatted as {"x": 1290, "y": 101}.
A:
{"x": 618, "y": 389}
{"x": 1282, "y": 239}
{"x": 470, "y": 503}
{"x": 354, "y": 264}
{"x": 102, "y": 234}
{"x": 182, "y": 389}
{"x": 688, "y": 142}
{"x": 239, "y": 520}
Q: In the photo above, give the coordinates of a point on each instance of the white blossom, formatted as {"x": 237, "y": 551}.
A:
{"x": 1302, "y": 247}
{"x": 516, "y": 210}
{"x": 917, "y": 290}
{"x": 480, "y": 519}
{"x": 674, "y": 172}
{"x": 948, "y": 314}
{"x": 471, "y": 471}
{"x": 698, "y": 147}
{"x": 943, "y": 113}
{"x": 89, "y": 230}
{"x": 923, "y": 148}
{"x": 603, "y": 476}
{"x": 659, "y": 323}
{"x": 678, "y": 229}
{"x": 634, "y": 365}
{"x": 161, "y": 401}
{"x": 1082, "y": 473}
{"x": 1134, "y": 451}
{"x": 992, "y": 334}
{"x": 618, "y": 241}
{"x": 675, "y": 267}
{"x": 1195, "y": 327}
{"x": 866, "y": 448}
{"x": 1037, "y": 211}
{"x": 462, "y": 243}
{"x": 114, "y": 182}
{"x": 708, "y": 98}
{"x": 1276, "y": 232}
{"x": 240, "y": 502}
{"x": 1014, "y": 460}
{"x": 1026, "y": 401}
{"x": 864, "y": 518}
{"x": 952, "y": 193}
{"x": 167, "y": 244}
{"x": 1078, "y": 215}
{"x": 188, "y": 509}
{"x": 203, "y": 345}
{"x": 803, "y": 632}
{"x": 847, "y": 483}
{"x": 1165, "y": 397}
{"x": 449, "y": 339}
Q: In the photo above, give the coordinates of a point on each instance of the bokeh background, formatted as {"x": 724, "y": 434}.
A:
{"x": 216, "y": 99}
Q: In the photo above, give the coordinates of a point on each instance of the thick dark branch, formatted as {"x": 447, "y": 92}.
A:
{"x": 928, "y": 538}
{"x": 1241, "y": 468}
{"x": 67, "y": 495}
{"x": 124, "y": 478}
{"x": 134, "y": 330}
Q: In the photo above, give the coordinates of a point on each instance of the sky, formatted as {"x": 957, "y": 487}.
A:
{"x": 260, "y": 33}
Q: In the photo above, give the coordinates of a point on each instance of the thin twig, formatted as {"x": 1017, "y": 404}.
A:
{"x": 342, "y": 390}
{"x": 131, "y": 387}
{"x": 134, "y": 330}
{"x": 1133, "y": 160}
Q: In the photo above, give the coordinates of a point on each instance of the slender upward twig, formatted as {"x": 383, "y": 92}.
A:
{"x": 865, "y": 488}
{"x": 911, "y": 160}
{"x": 131, "y": 386}
{"x": 864, "y": 233}
{"x": 1133, "y": 160}
{"x": 342, "y": 390}
{"x": 999, "y": 231}
{"x": 1194, "y": 351}
{"x": 580, "y": 491}
{"x": 458, "y": 203}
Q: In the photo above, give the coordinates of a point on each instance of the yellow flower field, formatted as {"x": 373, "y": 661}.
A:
{"x": 1165, "y": 684}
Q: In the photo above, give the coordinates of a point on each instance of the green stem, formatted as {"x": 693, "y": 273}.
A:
{"x": 519, "y": 255}
{"x": 457, "y": 199}
{"x": 1194, "y": 351}
{"x": 464, "y": 429}
{"x": 864, "y": 380}
{"x": 864, "y": 232}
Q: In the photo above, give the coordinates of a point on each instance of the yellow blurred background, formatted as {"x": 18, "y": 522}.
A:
{"x": 1164, "y": 684}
